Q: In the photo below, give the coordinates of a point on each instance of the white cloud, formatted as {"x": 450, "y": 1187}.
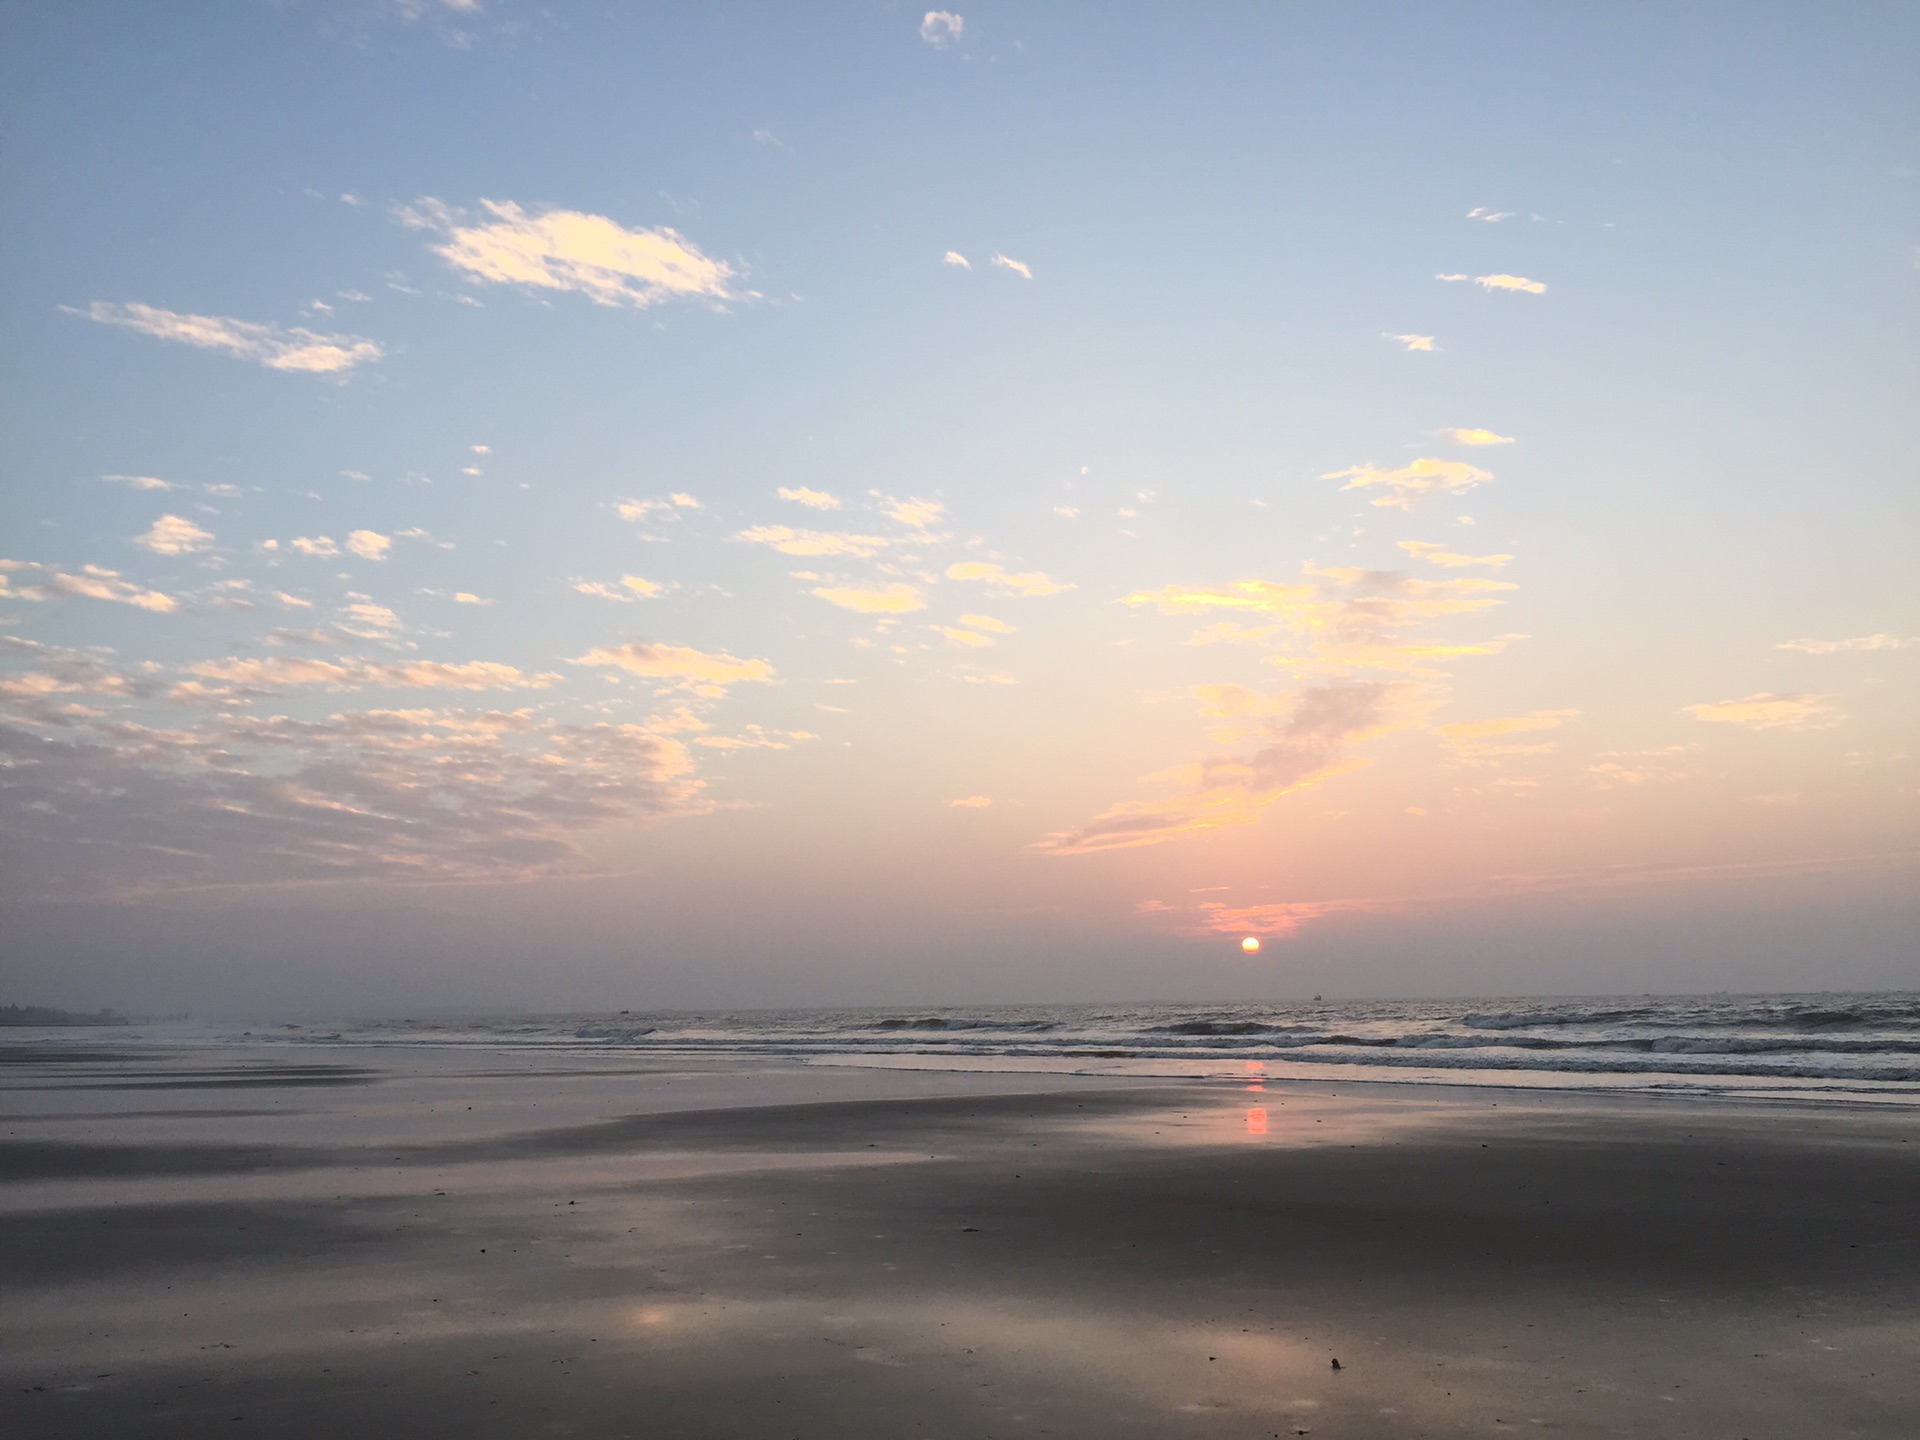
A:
{"x": 1414, "y": 342}
{"x": 1018, "y": 267}
{"x": 1476, "y": 437}
{"x": 572, "y": 250}
{"x": 1412, "y": 483}
{"x": 1768, "y": 711}
{"x": 789, "y": 541}
{"x": 646, "y": 588}
{"x": 813, "y": 499}
{"x": 369, "y": 544}
{"x": 140, "y": 482}
{"x": 1843, "y": 647}
{"x": 1510, "y": 282}
{"x": 1031, "y": 582}
{"x": 93, "y": 582}
{"x": 1492, "y": 217}
{"x": 691, "y": 669}
{"x": 954, "y": 257}
{"x": 317, "y": 546}
{"x": 467, "y": 597}
{"x": 684, "y": 501}
{"x": 940, "y": 28}
{"x": 269, "y": 345}
{"x": 174, "y": 535}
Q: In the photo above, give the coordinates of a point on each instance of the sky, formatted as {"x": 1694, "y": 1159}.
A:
{"x": 566, "y": 506}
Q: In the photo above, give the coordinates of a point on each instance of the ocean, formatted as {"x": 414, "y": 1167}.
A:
{"x": 1865, "y": 1046}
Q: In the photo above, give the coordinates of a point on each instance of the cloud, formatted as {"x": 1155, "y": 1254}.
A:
{"x": 986, "y": 622}
{"x": 1276, "y": 921}
{"x": 1492, "y": 217}
{"x": 572, "y": 250}
{"x": 954, "y": 257}
{"x": 971, "y": 638}
{"x": 691, "y": 669}
{"x": 789, "y": 541}
{"x": 269, "y": 345}
{"x": 1464, "y": 731}
{"x": 1843, "y": 647}
{"x": 1439, "y": 555}
{"x": 1018, "y": 267}
{"x": 940, "y": 28}
{"x": 317, "y": 546}
{"x": 896, "y": 599}
{"x": 413, "y": 796}
{"x": 350, "y": 673}
{"x": 1410, "y": 484}
{"x": 93, "y": 582}
{"x": 369, "y": 544}
{"x": 1303, "y": 748}
{"x": 1767, "y": 711}
{"x": 970, "y": 802}
{"x": 1414, "y": 342}
{"x": 917, "y": 513}
{"x": 467, "y": 597}
{"x": 1510, "y": 282}
{"x": 174, "y": 535}
{"x": 1476, "y": 437}
{"x": 646, "y": 589}
{"x": 1031, "y": 582}
{"x": 813, "y": 499}
{"x": 1450, "y": 279}
{"x": 140, "y": 482}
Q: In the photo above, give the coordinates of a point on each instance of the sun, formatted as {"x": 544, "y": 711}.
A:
{"x": 1251, "y": 944}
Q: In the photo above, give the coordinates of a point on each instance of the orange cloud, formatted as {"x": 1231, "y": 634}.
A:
{"x": 789, "y": 541}
{"x": 692, "y": 669}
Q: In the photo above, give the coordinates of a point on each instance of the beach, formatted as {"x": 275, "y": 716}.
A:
{"x": 408, "y": 1240}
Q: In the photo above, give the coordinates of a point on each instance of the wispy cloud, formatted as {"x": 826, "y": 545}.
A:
{"x": 174, "y": 535}
{"x": 1414, "y": 342}
{"x": 895, "y": 599}
{"x": 789, "y": 541}
{"x": 1307, "y": 745}
{"x": 1845, "y": 647}
{"x": 917, "y": 513}
{"x": 1492, "y": 217}
{"x": 1030, "y": 582}
{"x": 1768, "y": 711}
{"x": 351, "y": 673}
{"x": 970, "y": 802}
{"x": 1410, "y": 484}
{"x": 574, "y": 251}
{"x": 1482, "y": 741}
{"x": 971, "y": 638}
{"x": 29, "y": 580}
{"x": 813, "y": 499}
{"x": 1510, "y": 282}
{"x": 1476, "y": 437}
{"x": 140, "y": 482}
{"x": 986, "y": 622}
{"x": 940, "y": 28}
{"x": 1439, "y": 555}
{"x": 1279, "y": 920}
{"x": 954, "y": 257}
{"x": 630, "y": 586}
{"x": 689, "y": 669}
{"x": 1018, "y": 267}
{"x": 292, "y": 349}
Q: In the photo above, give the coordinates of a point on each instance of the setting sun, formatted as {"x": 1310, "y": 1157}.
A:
{"x": 1251, "y": 944}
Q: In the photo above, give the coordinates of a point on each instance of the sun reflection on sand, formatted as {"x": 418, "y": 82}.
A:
{"x": 1256, "y": 1121}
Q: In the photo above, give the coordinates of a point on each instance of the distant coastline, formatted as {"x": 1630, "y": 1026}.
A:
{"x": 48, "y": 1015}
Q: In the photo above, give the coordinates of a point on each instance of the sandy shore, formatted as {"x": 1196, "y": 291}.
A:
{"x": 420, "y": 1243}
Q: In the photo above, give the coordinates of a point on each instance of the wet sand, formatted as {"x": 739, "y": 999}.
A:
{"x": 331, "y": 1242}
